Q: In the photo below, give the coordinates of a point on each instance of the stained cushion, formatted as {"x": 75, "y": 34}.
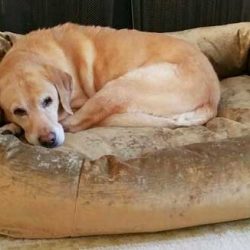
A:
{"x": 126, "y": 180}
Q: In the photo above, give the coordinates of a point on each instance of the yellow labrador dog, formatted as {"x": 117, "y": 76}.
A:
{"x": 74, "y": 77}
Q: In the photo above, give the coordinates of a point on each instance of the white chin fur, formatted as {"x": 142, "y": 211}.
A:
{"x": 59, "y": 134}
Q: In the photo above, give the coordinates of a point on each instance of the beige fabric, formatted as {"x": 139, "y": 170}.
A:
{"x": 224, "y": 236}
{"x": 226, "y": 46}
{"x": 125, "y": 180}
{"x": 4, "y": 45}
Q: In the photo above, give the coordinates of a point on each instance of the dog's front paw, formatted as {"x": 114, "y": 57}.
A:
{"x": 70, "y": 124}
{"x": 10, "y": 128}
{"x": 65, "y": 124}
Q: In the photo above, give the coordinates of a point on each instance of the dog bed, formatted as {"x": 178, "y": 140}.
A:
{"x": 127, "y": 180}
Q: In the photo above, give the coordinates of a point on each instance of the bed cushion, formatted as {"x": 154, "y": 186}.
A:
{"x": 126, "y": 180}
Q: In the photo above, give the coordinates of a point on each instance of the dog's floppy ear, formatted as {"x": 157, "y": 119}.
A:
{"x": 63, "y": 83}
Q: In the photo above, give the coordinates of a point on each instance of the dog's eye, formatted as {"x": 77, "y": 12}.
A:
{"x": 20, "y": 112}
{"x": 46, "y": 102}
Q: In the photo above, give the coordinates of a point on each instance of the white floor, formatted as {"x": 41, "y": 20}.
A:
{"x": 226, "y": 236}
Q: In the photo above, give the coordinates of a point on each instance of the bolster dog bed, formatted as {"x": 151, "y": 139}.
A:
{"x": 127, "y": 180}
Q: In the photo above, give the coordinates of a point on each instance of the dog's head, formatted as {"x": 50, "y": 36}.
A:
{"x": 32, "y": 99}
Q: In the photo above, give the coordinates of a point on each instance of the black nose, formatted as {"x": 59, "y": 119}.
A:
{"x": 48, "y": 140}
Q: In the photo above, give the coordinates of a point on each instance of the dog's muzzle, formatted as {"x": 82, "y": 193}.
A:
{"x": 49, "y": 140}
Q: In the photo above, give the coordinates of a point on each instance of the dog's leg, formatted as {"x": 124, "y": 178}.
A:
{"x": 97, "y": 108}
{"x": 104, "y": 115}
{"x": 157, "y": 94}
{"x": 10, "y": 128}
{"x": 116, "y": 96}
{"x": 136, "y": 120}
{"x": 197, "y": 117}
{"x": 192, "y": 118}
